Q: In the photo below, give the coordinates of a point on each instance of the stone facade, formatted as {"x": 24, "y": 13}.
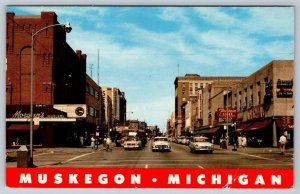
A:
{"x": 186, "y": 88}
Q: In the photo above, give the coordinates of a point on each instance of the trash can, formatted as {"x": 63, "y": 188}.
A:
{"x": 23, "y": 157}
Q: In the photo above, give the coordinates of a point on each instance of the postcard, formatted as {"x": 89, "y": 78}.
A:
{"x": 150, "y": 97}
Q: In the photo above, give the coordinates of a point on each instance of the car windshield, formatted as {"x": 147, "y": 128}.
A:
{"x": 201, "y": 139}
{"x": 160, "y": 139}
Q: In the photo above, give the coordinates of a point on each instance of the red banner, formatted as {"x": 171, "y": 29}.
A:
{"x": 148, "y": 178}
{"x": 232, "y": 113}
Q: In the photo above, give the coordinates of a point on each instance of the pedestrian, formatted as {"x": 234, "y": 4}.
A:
{"x": 221, "y": 141}
{"x": 239, "y": 141}
{"x": 81, "y": 140}
{"x": 107, "y": 143}
{"x": 244, "y": 142}
{"x": 93, "y": 142}
{"x": 282, "y": 143}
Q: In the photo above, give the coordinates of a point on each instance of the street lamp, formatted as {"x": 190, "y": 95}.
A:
{"x": 227, "y": 131}
{"x": 67, "y": 28}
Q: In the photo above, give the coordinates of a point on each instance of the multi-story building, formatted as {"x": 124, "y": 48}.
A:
{"x": 190, "y": 116}
{"x": 261, "y": 106}
{"x": 171, "y": 125}
{"x": 65, "y": 102}
{"x": 116, "y": 99}
{"x": 186, "y": 89}
{"x": 265, "y": 102}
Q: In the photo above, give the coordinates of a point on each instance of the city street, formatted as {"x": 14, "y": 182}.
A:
{"x": 179, "y": 157}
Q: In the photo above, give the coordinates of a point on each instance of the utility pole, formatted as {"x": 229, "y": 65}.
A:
{"x": 227, "y": 131}
{"x": 98, "y": 68}
{"x": 91, "y": 70}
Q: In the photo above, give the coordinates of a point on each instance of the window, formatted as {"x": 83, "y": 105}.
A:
{"x": 266, "y": 79}
{"x": 91, "y": 111}
{"x": 87, "y": 88}
{"x": 96, "y": 94}
{"x": 258, "y": 83}
{"x": 91, "y": 91}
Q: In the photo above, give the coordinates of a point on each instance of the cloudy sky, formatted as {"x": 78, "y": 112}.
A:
{"x": 141, "y": 48}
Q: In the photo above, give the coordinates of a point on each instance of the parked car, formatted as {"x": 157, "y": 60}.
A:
{"x": 132, "y": 143}
{"x": 201, "y": 144}
{"x": 161, "y": 144}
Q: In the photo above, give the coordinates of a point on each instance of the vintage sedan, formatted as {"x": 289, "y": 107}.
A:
{"x": 161, "y": 144}
{"x": 201, "y": 144}
{"x": 132, "y": 143}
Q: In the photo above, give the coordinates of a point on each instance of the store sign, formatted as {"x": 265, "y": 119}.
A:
{"x": 24, "y": 115}
{"x": 232, "y": 113}
{"x": 285, "y": 88}
{"x": 256, "y": 112}
{"x": 284, "y": 83}
{"x": 72, "y": 110}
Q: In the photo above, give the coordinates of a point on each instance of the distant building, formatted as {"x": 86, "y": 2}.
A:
{"x": 171, "y": 125}
{"x": 186, "y": 89}
{"x": 115, "y": 99}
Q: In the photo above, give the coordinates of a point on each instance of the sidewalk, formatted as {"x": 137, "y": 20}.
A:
{"x": 255, "y": 149}
{"x": 11, "y": 154}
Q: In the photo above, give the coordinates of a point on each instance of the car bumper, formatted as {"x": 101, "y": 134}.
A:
{"x": 203, "y": 149}
{"x": 132, "y": 147}
{"x": 161, "y": 148}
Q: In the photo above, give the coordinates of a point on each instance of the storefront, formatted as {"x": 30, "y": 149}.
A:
{"x": 51, "y": 127}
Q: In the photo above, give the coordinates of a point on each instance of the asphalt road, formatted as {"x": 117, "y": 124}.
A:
{"x": 179, "y": 157}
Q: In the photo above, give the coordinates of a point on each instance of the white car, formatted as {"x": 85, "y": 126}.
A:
{"x": 161, "y": 144}
{"x": 201, "y": 144}
{"x": 132, "y": 143}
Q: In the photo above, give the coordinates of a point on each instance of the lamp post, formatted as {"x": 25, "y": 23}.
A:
{"x": 227, "y": 130}
{"x": 67, "y": 28}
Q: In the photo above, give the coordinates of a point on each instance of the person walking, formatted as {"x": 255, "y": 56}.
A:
{"x": 107, "y": 143}
{"x": 93, "y": 140}
{"x": 282, "y": 143}
{"x": 244, "y": 142}
{"x": 239, "y": 141}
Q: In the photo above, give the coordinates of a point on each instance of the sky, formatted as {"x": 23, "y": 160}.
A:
{"x": 143, "y": 49}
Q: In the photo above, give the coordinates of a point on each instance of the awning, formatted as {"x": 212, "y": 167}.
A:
{"x": 209, "y": 131}
{"x": 258, "y": 125}
{"x": 22, "y": 127}
{"x": 243, "y": 126}
{"x": 285, "y": 127}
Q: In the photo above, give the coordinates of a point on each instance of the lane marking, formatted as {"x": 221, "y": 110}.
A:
{"x": 69, "y": 160}
{"x": 80, "y": 156}
{"x": 260, "y": 157}
{"x": 116, "y": 161}
{"x": 200, "y": 167}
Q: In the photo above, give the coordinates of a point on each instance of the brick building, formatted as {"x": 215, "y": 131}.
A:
{"x": 62, "y": 109}
{"x": 186, "y": 88}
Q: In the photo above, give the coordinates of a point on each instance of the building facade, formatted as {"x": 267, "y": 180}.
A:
{"x": 186, "y": 89}
{"x": 265, "y": 102}
{"x": 66, "y": 102}
{"x": 115, "y": 106}
{"x": 261, "y": 106}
